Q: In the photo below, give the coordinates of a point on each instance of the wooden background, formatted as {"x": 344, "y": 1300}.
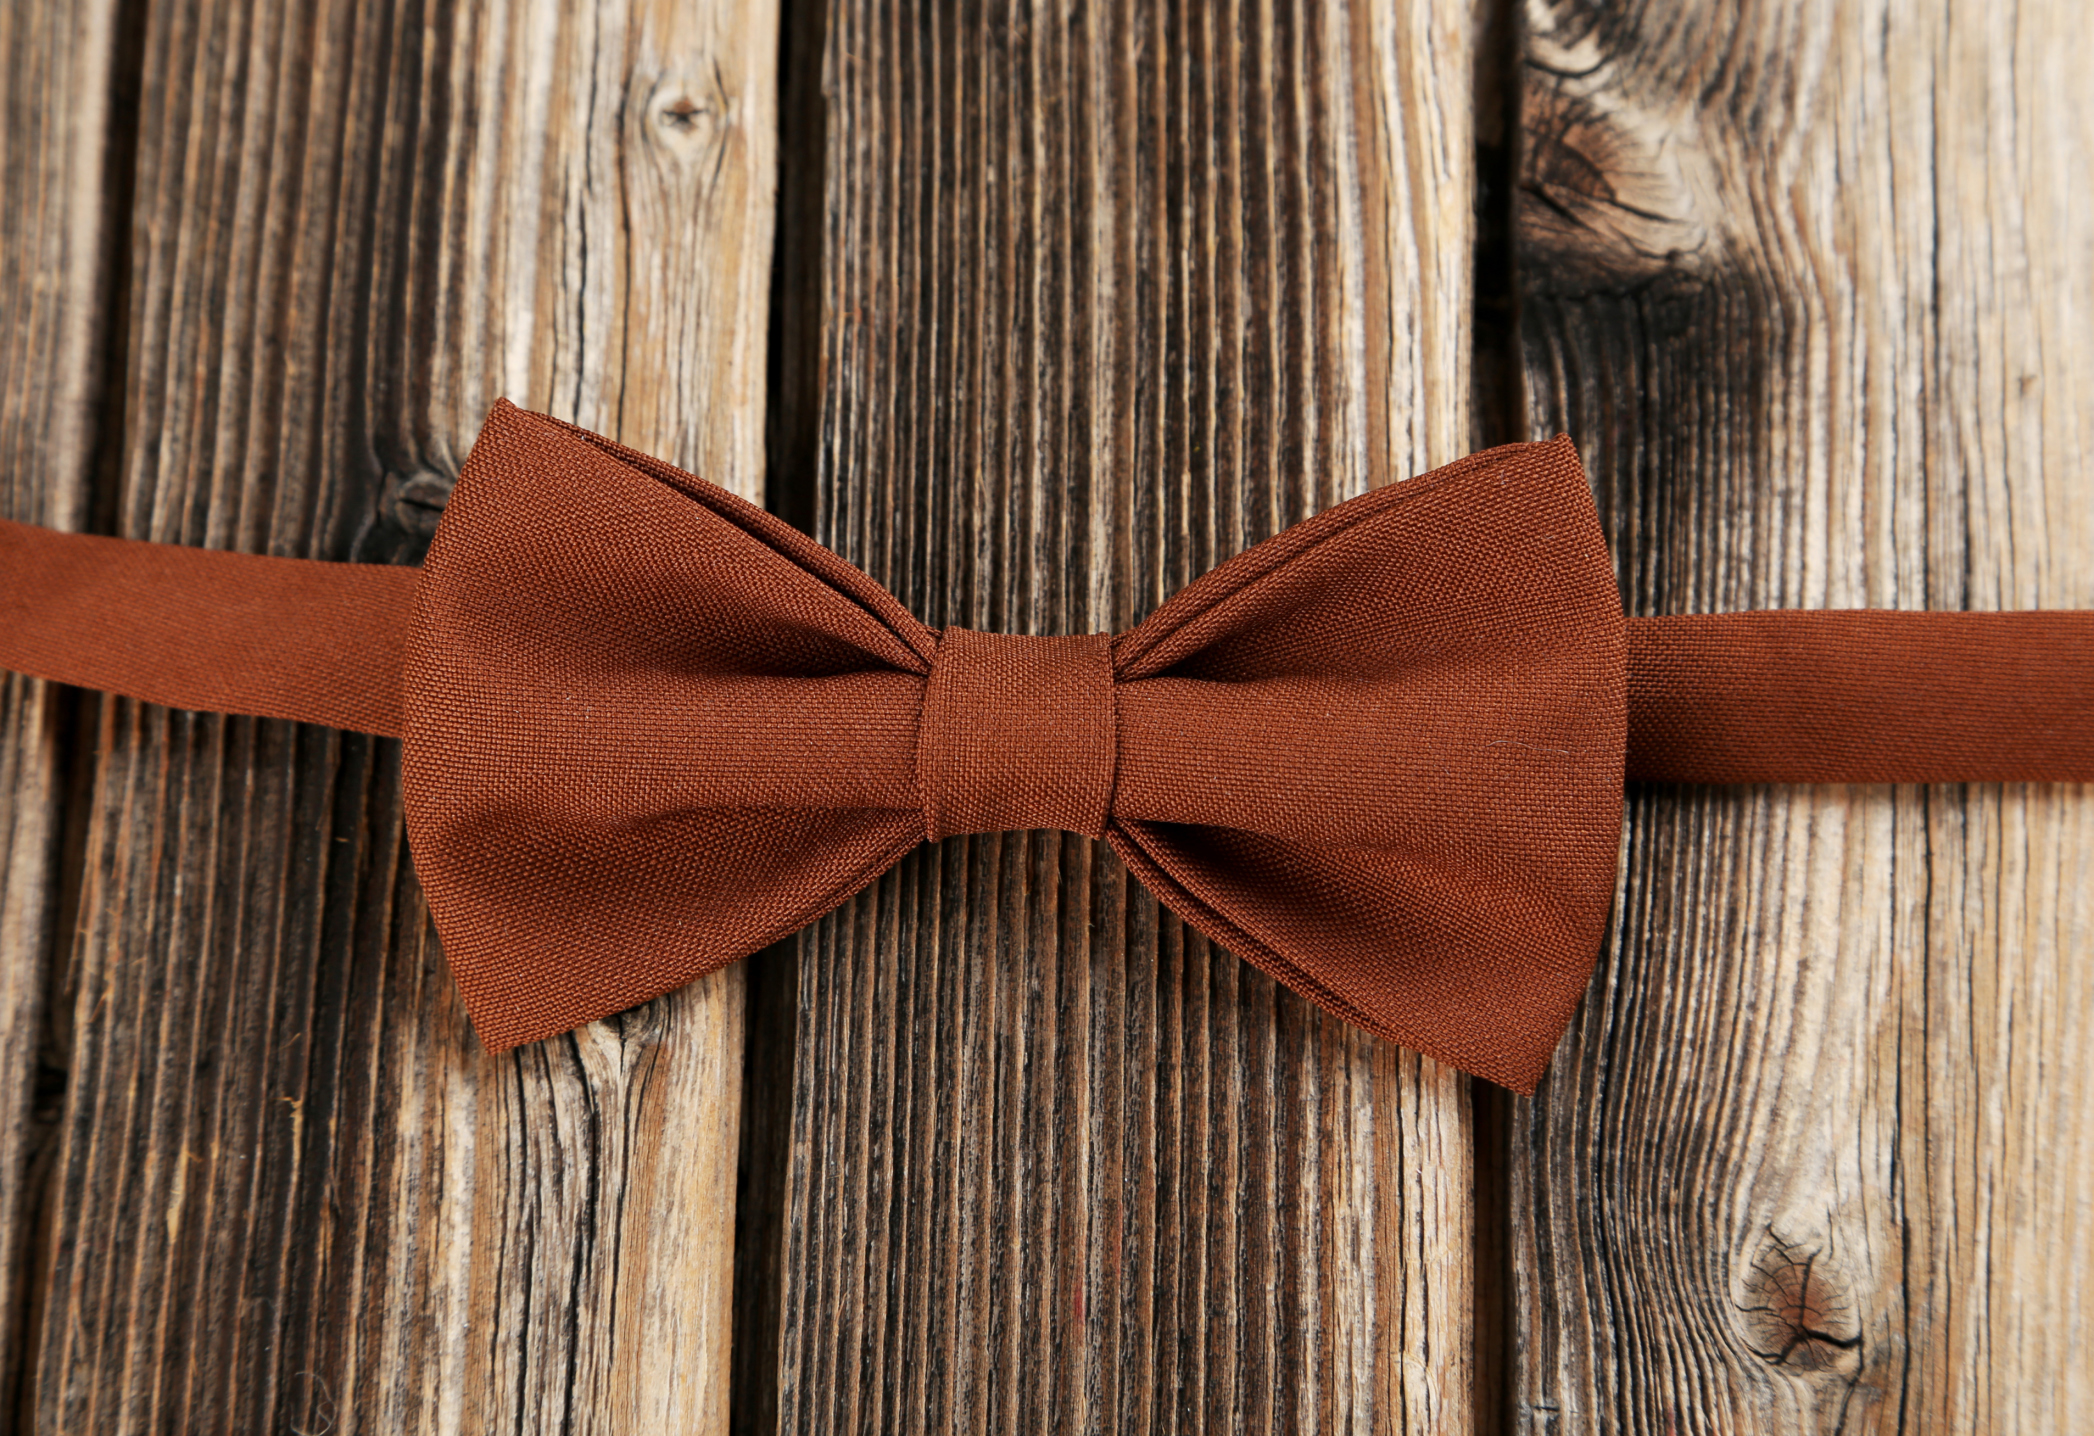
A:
{"x": 1036, "y": 314}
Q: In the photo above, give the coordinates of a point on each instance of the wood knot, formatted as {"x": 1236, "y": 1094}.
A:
{"x": 689, "y": 124}
{"x": 1798, "y": 1309}
{"x": 691, "y": 120}
{"x": 1613, "y": 189}
{"x": 416, "y": 501}
{"x": 681, "y": 114}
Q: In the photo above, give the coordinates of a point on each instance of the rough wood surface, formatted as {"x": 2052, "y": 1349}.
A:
{"x": 56, "y": 267}
{"x": 1809, "y": 283}
{"x": 1081, "y": 301}
{"x": 292, "y": 1193}
{"x": 1110, "y": 294}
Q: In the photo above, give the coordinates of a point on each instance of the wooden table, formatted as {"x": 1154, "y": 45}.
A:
{"x": 1036, "y": 314}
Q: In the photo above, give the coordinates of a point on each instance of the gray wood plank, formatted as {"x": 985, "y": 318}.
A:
{"x": 1110, "y": 294}
{"x": 1809, "y": 284}
{"x": 60, "y": 65}
{"x": 293, "y": 1193}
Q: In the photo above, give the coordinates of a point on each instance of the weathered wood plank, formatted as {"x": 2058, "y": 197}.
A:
{"x": 58, "y": 67}
{"x": 293, "y": 1193}
{"x": 1809, "y": 282}
{"x": 1109, "y": 295}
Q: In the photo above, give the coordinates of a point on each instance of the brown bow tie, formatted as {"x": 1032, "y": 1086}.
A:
{"x": 650, "y": 729}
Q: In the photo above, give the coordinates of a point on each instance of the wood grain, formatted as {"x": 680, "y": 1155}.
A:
{"x": 293, "y": 1193}
{"x": 58, "y": 65}
{"x": 1109, "y": 295}
{"x": 1808, "y": 281}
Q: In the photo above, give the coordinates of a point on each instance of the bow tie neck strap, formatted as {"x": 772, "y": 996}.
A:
{"x": 1862, "y": 696}
{"x": 206, "y": 629}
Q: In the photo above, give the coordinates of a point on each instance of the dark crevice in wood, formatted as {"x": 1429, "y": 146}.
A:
{"x": 119, "y": 184}
{"x": 76, "y": 716}
{"x": 792, "y": 416}
{"x": 760, "y": 1187}
{"x": 1498, "y": 415}
{"x": 791, "y": 432}
{"x": 79, "y": 713}
{"x": 1494, "y": 1322}
{"x": 1498, "y": 378}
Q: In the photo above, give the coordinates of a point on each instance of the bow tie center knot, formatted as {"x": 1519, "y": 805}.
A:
{"x": 1017, "y": 732}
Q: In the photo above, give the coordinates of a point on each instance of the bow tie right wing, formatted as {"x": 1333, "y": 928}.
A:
{"x": 1380, "y": 756}
{"x": 650, "y": 728}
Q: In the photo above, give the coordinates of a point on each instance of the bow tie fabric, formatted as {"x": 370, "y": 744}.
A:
{"x": 650, "y": 729}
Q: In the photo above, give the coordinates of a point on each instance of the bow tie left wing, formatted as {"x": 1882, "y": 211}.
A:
{"x": 650, "y": 728}
{"x": 1380, "y": 756}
